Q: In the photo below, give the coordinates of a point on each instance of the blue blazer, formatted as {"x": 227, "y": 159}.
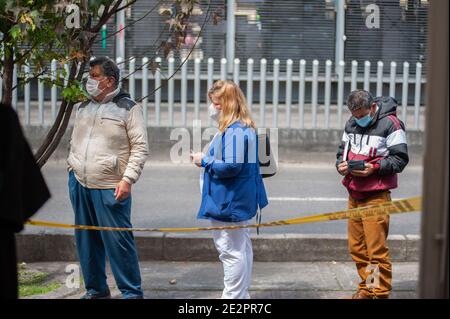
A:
{"x": 232, "y": 185}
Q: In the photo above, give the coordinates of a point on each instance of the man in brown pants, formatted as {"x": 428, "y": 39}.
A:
{"x": 373, "y": 150}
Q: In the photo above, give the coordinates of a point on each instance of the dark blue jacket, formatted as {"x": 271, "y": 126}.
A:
{"x": 232, "y": 188}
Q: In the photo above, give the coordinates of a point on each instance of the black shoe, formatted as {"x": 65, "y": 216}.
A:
{"x": 91, "y": 296}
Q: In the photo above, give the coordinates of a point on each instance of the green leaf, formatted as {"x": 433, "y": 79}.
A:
{"x": 15, "y": 32}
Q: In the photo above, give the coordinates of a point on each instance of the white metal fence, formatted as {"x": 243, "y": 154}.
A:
{"x": 183, "y": 97}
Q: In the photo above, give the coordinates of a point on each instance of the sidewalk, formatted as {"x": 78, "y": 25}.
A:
{"x": 271, "y": 280}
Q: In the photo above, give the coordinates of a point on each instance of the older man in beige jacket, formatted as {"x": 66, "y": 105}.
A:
{"x": 108, "y": 150}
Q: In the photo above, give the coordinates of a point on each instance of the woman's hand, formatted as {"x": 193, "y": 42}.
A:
{"x": 196, "y": 158}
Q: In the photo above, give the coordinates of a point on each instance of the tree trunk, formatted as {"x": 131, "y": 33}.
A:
{"x": 8, "y": 69}
{"x": 59, "y": 127}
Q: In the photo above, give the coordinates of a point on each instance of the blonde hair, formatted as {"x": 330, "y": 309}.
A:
{"x": 233, "y": 103}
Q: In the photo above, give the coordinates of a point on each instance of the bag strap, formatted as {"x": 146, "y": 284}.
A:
{"x": 267, "y": 152}
{"x": 258, "y": 219}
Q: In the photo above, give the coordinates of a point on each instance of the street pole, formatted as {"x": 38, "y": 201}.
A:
{"x": 433, "y": 272}
{"x": 340, "y": 33}
{"x": 231, "y": 30}
{"x": 120, "y": 36}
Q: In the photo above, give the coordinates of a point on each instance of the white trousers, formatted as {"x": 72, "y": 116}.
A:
{"x": 236, "y": 254}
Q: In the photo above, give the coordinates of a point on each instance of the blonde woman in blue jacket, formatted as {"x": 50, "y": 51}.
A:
{"x": 232, "y": 189}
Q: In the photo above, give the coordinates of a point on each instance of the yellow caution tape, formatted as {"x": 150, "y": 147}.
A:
{"x": 388, "y": 208}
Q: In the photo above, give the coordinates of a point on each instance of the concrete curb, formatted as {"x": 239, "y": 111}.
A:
{"x": 189, "y": 247}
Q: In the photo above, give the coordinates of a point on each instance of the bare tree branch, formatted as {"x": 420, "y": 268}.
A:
{"x": 146, "y": 63}
{"x": 125, "y": 6}
{"x": 132, "y": 23}
{"x": 28, "y": 80}
{"x": 23, "y": 55}
{"x": 107, "y": 13}
{"x": 189, "y": 54}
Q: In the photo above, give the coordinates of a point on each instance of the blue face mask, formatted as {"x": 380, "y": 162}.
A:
{"x": 364, "y": 121}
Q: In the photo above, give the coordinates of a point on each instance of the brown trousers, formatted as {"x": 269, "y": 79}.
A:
{"x": 368, "y": 248}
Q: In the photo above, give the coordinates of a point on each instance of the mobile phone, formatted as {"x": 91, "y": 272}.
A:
{"x": 356, "y": 165}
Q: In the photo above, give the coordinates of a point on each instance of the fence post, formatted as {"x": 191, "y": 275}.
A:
{"x": 237, "y": 64}
{"x": 340, "y": 101}
{"x": 315, "y": 74}
{"x": 210, "y": 81}
{"x": 417, "y": 94}
{"x": 54, "y": 92}
{"x": 275, "y": 92}
{"x": 405, "y": 91}
{"x": 145, "y": 89}
{"x": 197, "y": 88}
{"x": 392, "y": 79}
{"x": 158, "y": 92}
{"x": 223, "y": 69}
{"x": 340, "y": 32}
{"x": 78, "y": 68}
{"x": 250, "y": 83}
{"x": 353, "y": 85}
{"x": 184, "y": 87}
{"x": 262, "y": 92}
{"x": 171, "y": 89}
{"x": 131, "y": 78}
{"x": 367, "y": 76}
{"x": 288, "y": 91}
{"x": 27, "y": 95}
{"x": 328, "y": 64}
{"x": 380, "y": 78}
{"x": 14, "y": 84}
{"x": 41, "y": 100}
{"x": 301, "y": 94}
{"x": 66, "y": 77}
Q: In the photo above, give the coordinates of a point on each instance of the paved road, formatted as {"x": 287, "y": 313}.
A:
{"x": 168, "y": 196}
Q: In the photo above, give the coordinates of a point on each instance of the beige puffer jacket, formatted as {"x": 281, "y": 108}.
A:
{"x": 109, "y": 142}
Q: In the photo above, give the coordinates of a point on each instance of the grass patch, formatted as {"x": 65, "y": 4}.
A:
{"x": 27, "y": 277}
{"x": 32, "y": 283}
{"x": 31, "y": 290}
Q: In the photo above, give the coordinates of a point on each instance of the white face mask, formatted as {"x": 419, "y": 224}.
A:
{"x": 213, "y": 112}
{"x": 92, "y": 87}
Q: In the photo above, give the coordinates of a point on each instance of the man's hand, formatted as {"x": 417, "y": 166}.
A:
{"x": 367, "y": 172}
{"x": 196, "y": 158}
{"x": 122, "y": 191}
{"x": 343, "y": 168}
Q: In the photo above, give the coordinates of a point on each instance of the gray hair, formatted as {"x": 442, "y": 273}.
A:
{"x": 358, "y": 99}
{"x": 109, "y": 67}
